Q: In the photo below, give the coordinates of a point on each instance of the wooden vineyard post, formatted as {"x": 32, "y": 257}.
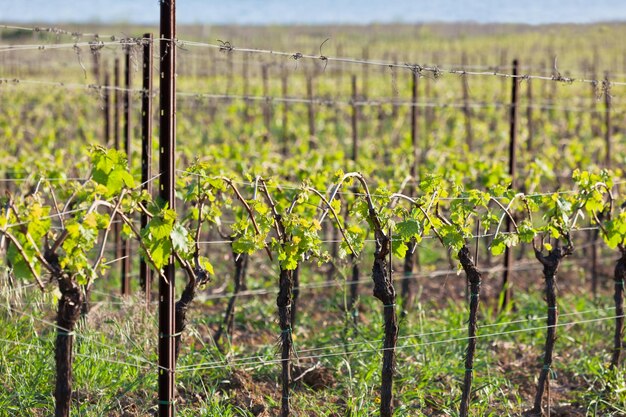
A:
{"x": 467, "y": 112}
{"x": 117, "y": 229}
{"x": 365, "y": 93}
{"x": 414, "y": 138}
{"x": 354, "y": 284}
{"x": 125, "y": 248}
{"x": 355, "y": 119}
{"x": 508, "y": 253}
{"x": 394, "y": 90}
{"x": 285, "y": 92}
{"x": 229, "y": 72}
{"x": 309, "y": 92}
{"x": 246, "y": 87}
{"x": 606, "y": 89}
{"x": 411, "y": 253}
{"x": 553, "y": 93}
{"x": 365, "y": 68}
{"x": 382, "y": 111}
{"x": 503, "y": 66}
{"x": 145, "y": 273}
{"x": 339, "y": 68}
{"x": 167, "y": 171}
{"x": 529, "y": 117}
{"x": 339, "y": 115}
{"x": 595, "y": 116}
{"x": 95, "y": 56}
{"x": 107, "y": 109}
{"x": 267, "y": 110}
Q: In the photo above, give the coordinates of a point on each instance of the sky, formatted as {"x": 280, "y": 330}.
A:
{"x": 314, "y": 12}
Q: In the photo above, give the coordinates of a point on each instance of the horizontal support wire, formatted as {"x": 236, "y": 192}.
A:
{"x": 434, "y": 70}
{"x": 294, "y": 186}
{"x": 316, "y": 101}
{"x": 321, "y": 101}
{"x": 73, "y": 45}
{"x": 388, "y": 102}
{"x": 254, "y": 361}
{"x": 56, "y": 327}
{"x": 227, "y": 47}
{"x": 58, "y": 31}
{"x": 469, "y": 237}
{"x": 365, "y": 279}
{"x": 77, "y": 354}
{"x": 235, "y": 361}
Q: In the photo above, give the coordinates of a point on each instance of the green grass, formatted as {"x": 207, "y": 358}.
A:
{"x": 115, "y": 353}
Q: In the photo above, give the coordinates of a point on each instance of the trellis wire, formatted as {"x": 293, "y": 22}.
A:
{"x": 434, "y": 70}
{"x": 302, "y": 100}
{"x": 78, "y": 334}
{"x": 209, "y": 365}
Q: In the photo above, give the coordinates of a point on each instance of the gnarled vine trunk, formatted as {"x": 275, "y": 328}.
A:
{"x": 354, "y": 288}
{"x": 283, "y": 302}
{"x": 182, "y": 306}
{"x": 618, "y": 296}
{"x": 69, "y": 310}
{"x": 550, "y": 264}
{"x": 87, "y": 301}
{"x": 296, "y": 294}
{"x": 409, "y": 268}
{"x": 385, "y": 292}
{"x": 474, "y": 278}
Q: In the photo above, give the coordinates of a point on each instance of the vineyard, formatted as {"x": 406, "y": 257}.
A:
{"x": 312, "y": 221}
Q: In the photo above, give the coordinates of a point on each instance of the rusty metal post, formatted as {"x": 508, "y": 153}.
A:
{"x": 508, "y": 253}
{"x": 365, "y": 69}
{"x": 117, "y": 134}
{"x": 394, "y": 90}
{"x": 354, "y": 284}
{"x": 246, "y": 87}
{"x": 267, "y": 111}
{"x": 606, "y": 87}
{"x": 127, "y": 129}
{"x": 355, "y": 119}
{"x": 414, "y": 138}
{"x": 411, "y": 254}
{"x": 107, "y": 109}
{"x": 529, "y": 117}
{"x": 309, "y": 91}
{"x": 285, "y": 91}
{"x": 167, "y": 171}
{"x": 145, "y": 273}
{"x": 467, "y": 111}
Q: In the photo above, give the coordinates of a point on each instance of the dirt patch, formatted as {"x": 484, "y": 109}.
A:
{"x": 243, "y": 391}
{"x": 315, "y": 376}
